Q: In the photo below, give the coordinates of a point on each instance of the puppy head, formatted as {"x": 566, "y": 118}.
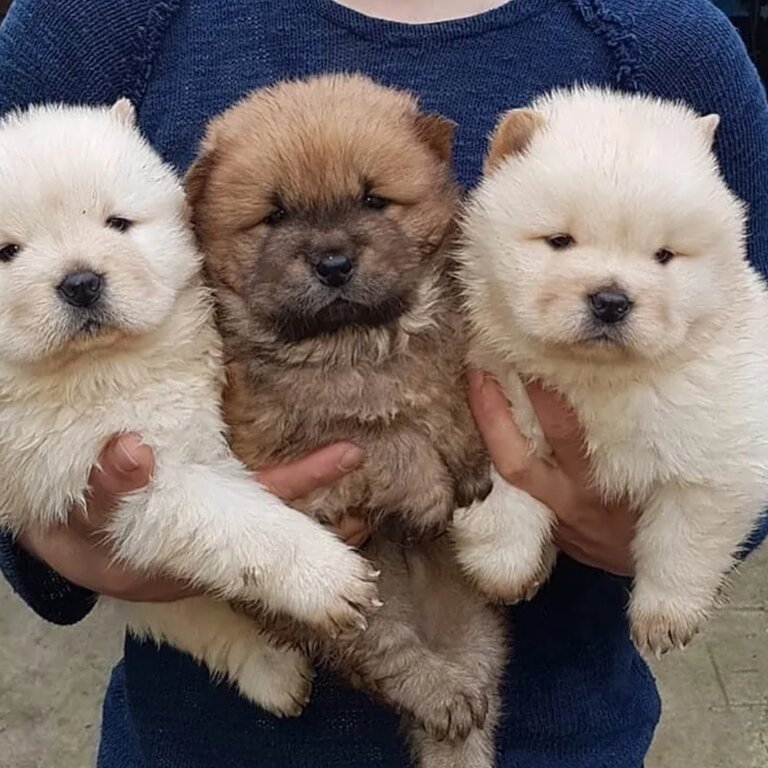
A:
{"x": 94, "y": 242}
{"x": 321, "y": 206}
{"x": 602, "y": 229}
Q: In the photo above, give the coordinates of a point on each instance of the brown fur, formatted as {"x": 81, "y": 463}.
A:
{"x": 383, "y": 370}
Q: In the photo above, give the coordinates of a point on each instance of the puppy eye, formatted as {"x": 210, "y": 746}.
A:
{"x": 275, "y": 217}
{"x": 560, "y": 242}
{"x": 375, "y": 203}
{"x": 119, "y": 224}
{"x": 9, "y": 252}
{"x": 663, "y": 255}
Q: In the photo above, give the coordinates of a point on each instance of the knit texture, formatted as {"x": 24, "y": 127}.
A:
{"x": 576, "y": 694}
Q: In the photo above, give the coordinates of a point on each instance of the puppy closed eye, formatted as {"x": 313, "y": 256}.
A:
{"x": 9, "y": 252}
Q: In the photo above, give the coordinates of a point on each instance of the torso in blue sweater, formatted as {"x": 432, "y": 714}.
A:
{"x": 576, "y": 693}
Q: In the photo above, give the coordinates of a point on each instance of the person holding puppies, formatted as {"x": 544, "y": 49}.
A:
{"x": 576, "y": 694}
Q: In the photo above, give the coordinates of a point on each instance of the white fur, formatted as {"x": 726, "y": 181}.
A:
{"x": 154, "y": 368}
{"x": 675, "y": 418}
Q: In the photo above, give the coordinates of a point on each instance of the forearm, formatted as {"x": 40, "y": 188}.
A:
{"x": 46, "y": 592}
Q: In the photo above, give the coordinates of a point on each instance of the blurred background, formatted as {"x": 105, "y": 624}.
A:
{"x": 715, "y": 693}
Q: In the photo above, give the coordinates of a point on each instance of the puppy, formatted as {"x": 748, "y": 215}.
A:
{"x": 604, "y": 255}
{"x": 324, "y": 208}
{"x": 105, "y": 327}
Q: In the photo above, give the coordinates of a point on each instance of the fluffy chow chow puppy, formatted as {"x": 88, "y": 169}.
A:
{"x": 105, "y": 327}
{"x": 324, "y": 210}
{"x": 604, "y": 255}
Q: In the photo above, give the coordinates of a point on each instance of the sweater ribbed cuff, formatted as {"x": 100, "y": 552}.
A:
{"x": 47, "y": 593}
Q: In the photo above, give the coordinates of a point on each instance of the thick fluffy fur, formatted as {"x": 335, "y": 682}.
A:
{"x": 145, "y": 357}
{"x": 338, "y": 167}
{"x": 670, "y": 392}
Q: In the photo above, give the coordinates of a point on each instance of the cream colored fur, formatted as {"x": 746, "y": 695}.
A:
{"x": 152, "y": 365}
{"x": 674, "y": 411}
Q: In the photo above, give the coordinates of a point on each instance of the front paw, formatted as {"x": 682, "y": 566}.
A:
{"x": 431, "y": 516}
{"x": 331, "y": 588}
{"x": 659, "y": 627}
{"x": 503, "y": 564}
{"x": 472, "y": 488}
{"x": 453, "y": 711}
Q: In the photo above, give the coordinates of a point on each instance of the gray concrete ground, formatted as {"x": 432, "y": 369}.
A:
{"x": 715, "y": 693}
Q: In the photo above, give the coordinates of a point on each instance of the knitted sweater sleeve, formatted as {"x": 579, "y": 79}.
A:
{"x": 93, "y": 51}
{"x": 691, "y": 52}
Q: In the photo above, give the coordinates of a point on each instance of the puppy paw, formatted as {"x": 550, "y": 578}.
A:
{"x": 451, "y": 713}
{"x": 659, "y": 628}
{"x": 503, "y": 565}
{"x": 332, "y": 589}
{"x": 278, "y": 680}
{"x": 471, "y": 488}
{"x": 432, "y": 517}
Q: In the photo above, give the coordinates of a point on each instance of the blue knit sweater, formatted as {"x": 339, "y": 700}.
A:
{"x": 576, "y": 693}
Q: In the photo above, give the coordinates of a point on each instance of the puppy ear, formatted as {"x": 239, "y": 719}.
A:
{"x": 124, "y": 112}
{"x": 196, "y": 178}
{"x": 708, "y": 126}
{"x": 512, "y": 135}
{"x": 437, "y": 132}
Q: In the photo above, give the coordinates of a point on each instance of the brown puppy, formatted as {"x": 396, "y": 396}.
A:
{"x": 324, "y": 209}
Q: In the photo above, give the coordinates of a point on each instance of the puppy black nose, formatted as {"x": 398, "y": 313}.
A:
{"x": 81, "y": 289}
{"x": 610, "y": 306}
{"x": 334, "y": 269}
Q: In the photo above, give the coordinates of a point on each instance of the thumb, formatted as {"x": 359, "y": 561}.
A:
{"x": 125, "y": 465}
{"x": 315, "y": 470}
{"x": 508, "y": 449}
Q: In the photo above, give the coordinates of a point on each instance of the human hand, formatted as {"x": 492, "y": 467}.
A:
{"x": 588, "y": 530}
{"x": 80, "y": 552}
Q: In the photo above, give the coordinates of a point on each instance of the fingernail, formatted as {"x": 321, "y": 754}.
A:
{"x": 351, "y": 459}
{"x": 475, "y": 378}
{"x": 125, "y": 454}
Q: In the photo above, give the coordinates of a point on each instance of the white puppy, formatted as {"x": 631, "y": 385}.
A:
{"x": 604, "y": 256}
{"x": 105, "y": 327}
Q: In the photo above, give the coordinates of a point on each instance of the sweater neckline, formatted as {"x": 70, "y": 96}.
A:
{"x": 394, "y": 32}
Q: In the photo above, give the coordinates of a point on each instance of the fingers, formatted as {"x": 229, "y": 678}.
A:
{"x": 315, "y": 470}
{"x": 508, "y": 449}
{"x": 125, "y": 465}
{"x": 562, "y": 430}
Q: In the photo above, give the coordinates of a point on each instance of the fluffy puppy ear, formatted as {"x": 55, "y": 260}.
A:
{"x": 124, "y": 112}
{"x": 437, "y": 133}
{"x": 512, "y": 135}
{"x": 196, "y": 178}
{"x": 708, "y": 126}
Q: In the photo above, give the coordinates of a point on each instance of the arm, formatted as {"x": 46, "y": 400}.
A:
{"x": 698, "y": 57}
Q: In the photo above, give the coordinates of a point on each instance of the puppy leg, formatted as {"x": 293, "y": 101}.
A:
{"x": 504, "y": 543}
{"x": 473, "y": 636}
{"x": 231, "y": 646}
{"x": 215, "y": 527}
{"x": 476, "y": 751}
{"x": 684, "y": 548}
{"x": 411, "y": 480}
{"x": 391, "y": 661}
